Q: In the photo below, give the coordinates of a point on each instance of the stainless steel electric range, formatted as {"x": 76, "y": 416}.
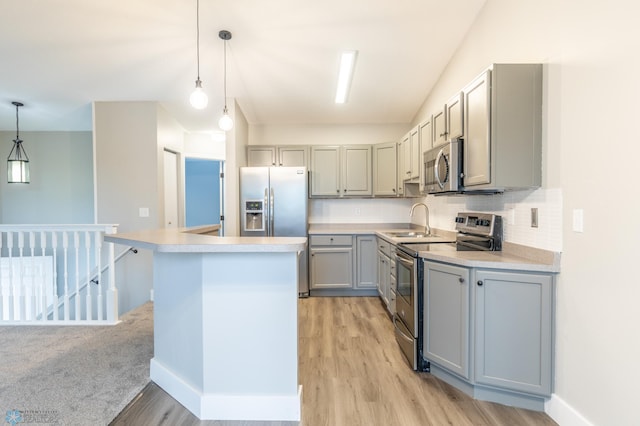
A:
{"x": 475, "y": 231}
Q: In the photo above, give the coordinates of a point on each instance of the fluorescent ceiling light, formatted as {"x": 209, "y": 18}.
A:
{"x": 347, "y": 64}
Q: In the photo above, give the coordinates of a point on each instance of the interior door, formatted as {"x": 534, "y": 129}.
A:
{"x": 170, "y": 189}
{"x": 203, "y": 191}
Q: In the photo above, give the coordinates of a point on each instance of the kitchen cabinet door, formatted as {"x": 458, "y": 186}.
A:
{"x": 439, "y": 120}
{"x": 293, "y": 156}
{"x": 514, "y": 331}
{"x": 331, "y": 267}
{"x": 401, "y": 167}
{"x": 503, "y": 126}
{"x": 357, "y": 175}
{"x": 384, "y": 169}
{"x": 414, "y": 153}
{"x": 455, "y": 116}
{"x": 325, "y": 171}
{"x": 477, "y": 148}
{"x": 261, "y": 156}
{"x": 446, "y": 317}
{"x": 383, "y": 278}
{"x": 366, "y": 271}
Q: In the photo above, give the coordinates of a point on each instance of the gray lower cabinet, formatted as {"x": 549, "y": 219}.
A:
{"x": 446, "y": 317}
{"x": 490, "y": 332}
{"x": 366, "y": 257}
{"x": 331, "y": 262}
{"x": 514, "y": 325}
{"x": 343, "y": 265}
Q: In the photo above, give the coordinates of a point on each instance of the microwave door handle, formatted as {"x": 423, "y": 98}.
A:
{"x": 436, "y": 167}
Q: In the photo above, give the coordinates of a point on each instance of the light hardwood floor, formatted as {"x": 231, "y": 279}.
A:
{"x": 352, "y": 373}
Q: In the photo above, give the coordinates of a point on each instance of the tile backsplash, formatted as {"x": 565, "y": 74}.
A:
{"x": 515, "y": 208}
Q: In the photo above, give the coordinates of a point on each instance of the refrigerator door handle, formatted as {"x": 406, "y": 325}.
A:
{"x": 266, "y": 210}
{"x": 272, "y": 229}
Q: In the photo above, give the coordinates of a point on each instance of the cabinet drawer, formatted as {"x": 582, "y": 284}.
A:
{"x": 384, "y": 246}
{"x": 330, "y": 240}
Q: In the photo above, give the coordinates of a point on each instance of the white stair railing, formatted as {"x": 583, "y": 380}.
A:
{"x": 54, "y": 274}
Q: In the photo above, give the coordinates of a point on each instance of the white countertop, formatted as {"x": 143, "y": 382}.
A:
{"x": 513, "y": 256}
{"x": 178, "y": 241}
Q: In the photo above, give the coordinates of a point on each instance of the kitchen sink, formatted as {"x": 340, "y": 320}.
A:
{"x": 409, "y": 234}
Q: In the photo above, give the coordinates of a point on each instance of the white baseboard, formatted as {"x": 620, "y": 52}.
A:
{"x": 563, "y": 413}
{"x": 208, "y": 406}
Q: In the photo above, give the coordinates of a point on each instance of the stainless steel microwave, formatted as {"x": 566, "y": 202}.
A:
{"x": 443, "y": 168}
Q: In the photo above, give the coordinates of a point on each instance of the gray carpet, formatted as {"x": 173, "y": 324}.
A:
{"x": 74, "y": 375}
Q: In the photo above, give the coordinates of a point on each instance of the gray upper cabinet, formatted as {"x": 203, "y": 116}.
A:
{"x": 425, "y": 135}
{"x": 446, "y": 317}
{"x": 339, "y": 171}
{"x": 325, "y": 171}
{"x": 384, "y": 170}
{"x": 455, "y": 116}
{"x": 357, "y": 174}
{"x": 414, "y": 153}
{"x": 293, "y": 156}
{"x": 270, "y": 156}
{"x": 502, "y": 128}
{"x": 261, "y": 156}
{"x": 439, "y": 121}
{"x": 514, "y": 326}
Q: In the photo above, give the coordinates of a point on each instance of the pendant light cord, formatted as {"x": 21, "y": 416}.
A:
{"x": 225, "y": 75}
{"x": 198, "y": 36}
{"x": 17, "y": 124}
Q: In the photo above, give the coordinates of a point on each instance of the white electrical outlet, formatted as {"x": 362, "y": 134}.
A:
{"x": 143, "y": 212}
{"x": 357, "y": 212}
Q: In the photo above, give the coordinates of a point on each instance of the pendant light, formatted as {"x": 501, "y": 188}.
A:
{"x": 226, "y": 122}
{"x": 198, "y": 98}
{"x": 18, "y": 162}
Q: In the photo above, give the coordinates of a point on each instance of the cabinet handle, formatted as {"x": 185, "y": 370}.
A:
{"x": 461, "y": 279}
{"x": 394, "y": 190}
{"x": 480, "y": 283}
{"x": 330, "y": 239}
{"x": 338, "y": 191}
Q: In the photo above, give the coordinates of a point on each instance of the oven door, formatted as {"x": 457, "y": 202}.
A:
{"x": 406, "y": 291}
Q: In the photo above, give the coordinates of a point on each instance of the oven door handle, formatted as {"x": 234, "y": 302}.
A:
{"x": 401, "y": 334}
{"x": 402, "y": 259}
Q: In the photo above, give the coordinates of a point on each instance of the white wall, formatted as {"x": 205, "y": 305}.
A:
{"x": 590, "y": 48}
{"x": 236, "y": 157}
{"x": 61, "y": 188}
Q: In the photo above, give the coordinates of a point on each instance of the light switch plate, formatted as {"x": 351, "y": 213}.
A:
{"x": 578, "y": 220}
{"x": 143, "y": 212}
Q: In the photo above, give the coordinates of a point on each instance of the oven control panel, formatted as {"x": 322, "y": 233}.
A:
{"x": 478, "y": 223}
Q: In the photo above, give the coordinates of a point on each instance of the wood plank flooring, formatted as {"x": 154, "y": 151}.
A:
{"x": 352, "y": 373}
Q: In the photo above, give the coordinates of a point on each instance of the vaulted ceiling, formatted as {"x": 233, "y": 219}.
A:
{"x": 60, "y": 55}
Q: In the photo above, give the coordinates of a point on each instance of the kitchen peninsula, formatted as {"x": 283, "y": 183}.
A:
{"x": 225, "y": 322}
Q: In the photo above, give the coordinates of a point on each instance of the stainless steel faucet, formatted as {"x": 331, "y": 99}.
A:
{"x": 427, "y": 228}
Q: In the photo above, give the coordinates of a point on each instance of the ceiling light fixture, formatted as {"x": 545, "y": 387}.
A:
{"x": 226, "y": 122}
{"x": 198, "y": 98}
{"x": 18, "y": 162}
{"x": 345, "y": 75}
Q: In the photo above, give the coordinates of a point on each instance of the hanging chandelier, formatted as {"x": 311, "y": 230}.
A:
{"x": 226, "y": 122}
{"x": 18, "y": 162}
{"x": 198, "y": 98}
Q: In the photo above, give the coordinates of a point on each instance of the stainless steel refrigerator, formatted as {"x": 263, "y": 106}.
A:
{"x": 274, "y": 203}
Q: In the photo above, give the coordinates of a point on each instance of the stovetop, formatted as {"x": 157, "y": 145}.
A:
{"x": 414, "y": 248}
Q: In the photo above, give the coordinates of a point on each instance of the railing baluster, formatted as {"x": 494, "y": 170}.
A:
{"x": 112, "y": 295}
{"x": 43, "y": 273}
{"x": 89, "y": 299}
{"x": 12, "y": 285}
{"x": 65, "y": 253}
{"x": 56, "y": 299}
{"x": 4, "y": 295}
{"x": 100, "y": 290}
{"x": 76, "y": 246}
{"x": 33, "y": 299}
